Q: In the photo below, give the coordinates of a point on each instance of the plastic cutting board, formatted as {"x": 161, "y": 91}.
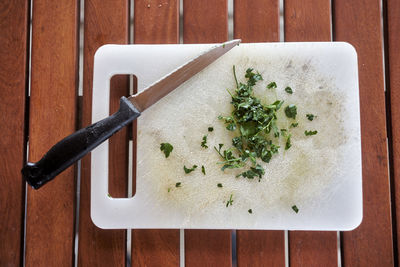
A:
{"x": 321, "y": 174}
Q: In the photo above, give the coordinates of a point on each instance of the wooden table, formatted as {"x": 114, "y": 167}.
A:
{"x": 40, "y": 103}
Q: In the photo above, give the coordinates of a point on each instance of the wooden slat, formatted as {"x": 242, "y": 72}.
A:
{"x": 307, "y": 21}
{"x": 208, "y": 248}
{"x": 156, "y": 21}
{"x": 359, "y": 22}
{"x": 393, "y": 57}
{"x": 13, "y": 76}
{"x": 258, "y": 248}
{"x": 310, "y": 21}
{"x": 51, "y": 210}
{"x": 206, "y": 22}
{"x": 155, "y": 247}
{"x": 313, "y": 248}
{"x": 105, "y": 22}
{"x": 256, "y": 21}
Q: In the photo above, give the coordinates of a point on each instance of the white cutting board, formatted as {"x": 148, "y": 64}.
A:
{"x": 321, "y": 174}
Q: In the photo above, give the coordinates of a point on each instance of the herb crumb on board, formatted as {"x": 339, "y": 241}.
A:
{"x": 187, "y": 170}
{"x": 166, "y": 148}
{"x": 295, "y": 208}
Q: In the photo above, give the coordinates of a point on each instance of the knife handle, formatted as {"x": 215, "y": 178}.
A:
{"x": 73, "y": 147}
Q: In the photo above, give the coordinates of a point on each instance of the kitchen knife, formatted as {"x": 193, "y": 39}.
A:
{"x": 73, "y": 147}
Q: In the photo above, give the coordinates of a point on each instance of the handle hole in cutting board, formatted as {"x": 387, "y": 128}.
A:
{"x": 122, "y": 163}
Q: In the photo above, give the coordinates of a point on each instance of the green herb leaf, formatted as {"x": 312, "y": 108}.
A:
{"x": 203, "y": 170}
{"x": 252, "y": 77}
{"x": 210, "y": 129}
{"x": 178, "y": 184}
{"x": 253, "y": 172}
{"x": 189, "y": 170}
{"x": 291, "y": 111}
{"x": 204, "y": 142}
{"x": 288, "y": 142}
{"x": 289, "y": 90}
{"x": 250, "y": 211}
{"x": 231, "y": 127}
{"x": 169, "y": 189}
{"x": 294, "y": 207}
{"x": 230, "y": 201}
{"x": 166, "y": 148}
{"x": 272, "y": 85}
{"x": 310, "y": 117}
{"x": 219, "y": 185}
{"x": 294, "y": 125}
{"x": 308, "y": 133}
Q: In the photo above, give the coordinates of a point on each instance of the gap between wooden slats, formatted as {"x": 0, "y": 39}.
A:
{"x": 392, "y": 60}
{"x": 206, "y": 22}
{"x": 14, "y": 58}
{"x": 155, "y": 22}
{"x": 359, "y": 23}
{"x": 310, "y": 21}
{"x": 50, "y": 211}
{"x": 258, "y": 21}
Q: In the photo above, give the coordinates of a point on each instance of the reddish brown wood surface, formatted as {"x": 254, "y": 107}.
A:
{"x": 205, "y": 21}
{"x": 155, "y": 247}
{"x": 359, "y": 23}
{"x": 259, "y": 248}
{"x": 307, "y": 21}
{"x": 156, "y": 21}
{"x": 13, "y": 77}
{"x": 313, "y": 248}
{"x": 51, "y": 210}
{"x": 310, "y": 21}
{"x": 393, "y": 57}
{"x": 208, "y": 248}
{"x": 256, "y": 21}
{"x": 98, "y": 247}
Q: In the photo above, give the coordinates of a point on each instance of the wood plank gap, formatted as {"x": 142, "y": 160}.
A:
{"x": 26, "y": 126}
{"x": 389, "y": 126}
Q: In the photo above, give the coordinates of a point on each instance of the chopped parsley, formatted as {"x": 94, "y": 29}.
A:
{"x": 166, "y": 148}
{"x": 291, "y": 111}
{"x": 250, "y": 211}
{"x": 178, "y": 184}
{"x": 255, "y": 127}
{"x": 308, "y": 133}
{"x": 294, "y": 207}
{"x": 310, "y": 117}
{"x": 204, "y": 142}
{"x": 294, "y": 125}
{"x": 272, "y": 85}
{"x": 253, "y": 172}
{"x": 289, "y": 90}
{"x": 219, "y": 185}
{"x": 288, "y": 142}
{"x": 203, "y": 170}
{"x": 230, "y": 201}
{"x": 189, "y": 170}
{"x": 210, "y": 129}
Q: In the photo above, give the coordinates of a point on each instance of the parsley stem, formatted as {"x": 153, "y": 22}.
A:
{"x": 234, "y": 74}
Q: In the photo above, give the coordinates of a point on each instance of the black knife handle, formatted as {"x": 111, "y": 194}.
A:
{"x": 75, "y": 146}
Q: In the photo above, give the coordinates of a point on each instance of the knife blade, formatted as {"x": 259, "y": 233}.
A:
{"x": 73, "y": 147}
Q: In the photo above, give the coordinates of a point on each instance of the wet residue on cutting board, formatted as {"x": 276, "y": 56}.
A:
{"x": 300, "y": 176}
